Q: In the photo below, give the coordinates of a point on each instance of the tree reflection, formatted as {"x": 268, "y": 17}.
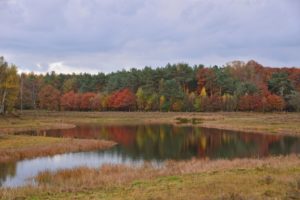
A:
{"x": 7, "y": 170}
{"x": 161, "y": 142}
{"x": 177, "y": 142}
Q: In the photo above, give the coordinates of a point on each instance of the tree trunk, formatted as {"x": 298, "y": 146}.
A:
{"x": 2, "y": 108}
{"x": 21, "y": 94}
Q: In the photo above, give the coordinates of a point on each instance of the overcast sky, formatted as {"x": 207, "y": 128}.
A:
{"x": 108, "y": 35}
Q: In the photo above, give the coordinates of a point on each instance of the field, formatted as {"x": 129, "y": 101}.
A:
{"x": 269, "y": 178}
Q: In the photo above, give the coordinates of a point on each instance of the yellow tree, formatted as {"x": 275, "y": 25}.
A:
{"x": 9, "y": 86}
{"x": 162, "y": 101}
{"x": 140, "y": 99}
{"x": 198, "y": 100}
{"x": 203, "y": 92}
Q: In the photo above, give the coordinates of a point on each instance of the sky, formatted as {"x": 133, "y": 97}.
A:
{"x": 94, "y": 36}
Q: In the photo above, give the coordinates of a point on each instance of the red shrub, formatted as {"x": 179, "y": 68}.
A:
{"x": 67, "y": 101}
{"x": 86, "y": 101}
{"x": 275, "y": 102}
{"x": 122, "y": 100}
{"x": 250, "y": 103}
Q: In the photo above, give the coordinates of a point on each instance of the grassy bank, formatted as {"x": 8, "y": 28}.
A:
{"x": 14, "y": 148}
{"x": 268, "y": 123}
{"x": 31, "y": 121}
{"x": 271, "y": 178}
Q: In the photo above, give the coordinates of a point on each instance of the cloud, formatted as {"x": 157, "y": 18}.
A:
{"x": 107, "y": 35}
{"x": 65, "y": 69}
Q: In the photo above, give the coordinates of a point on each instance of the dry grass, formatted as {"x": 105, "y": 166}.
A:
{"x": 21, "y": 141}
{"x": 14, "y": 148}
{"x": 266, "y": 123}
{"x": 271, "y": 123}
{"x": 119, "y": 174}
{"x": 274, "y": 178}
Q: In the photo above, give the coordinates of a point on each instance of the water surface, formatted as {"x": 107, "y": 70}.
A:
{"x": 151, "y": 143}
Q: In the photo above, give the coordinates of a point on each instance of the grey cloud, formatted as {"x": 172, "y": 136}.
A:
{"x": 106, "y": 35}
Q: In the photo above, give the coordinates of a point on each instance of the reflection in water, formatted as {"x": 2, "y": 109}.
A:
{"x": 154, "y": 143}
{"x": 7, "y": 170}
{"x": 24, "y": 170}
{"x": 160, "y": 142}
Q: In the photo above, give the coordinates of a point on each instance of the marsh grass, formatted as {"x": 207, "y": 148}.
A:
{"x": 274, "y": 177}
{"x": 13, "y": 148}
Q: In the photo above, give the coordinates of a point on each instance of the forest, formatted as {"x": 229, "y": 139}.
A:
{"x": 236, "y": 86}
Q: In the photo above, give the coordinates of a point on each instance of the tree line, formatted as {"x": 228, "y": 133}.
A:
{"x": 236, "y": 86}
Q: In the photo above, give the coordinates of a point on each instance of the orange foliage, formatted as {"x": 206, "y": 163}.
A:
{"x": 67, "y": 101}
{"x": 275, "y": 103}
{"x": 96, "y": 103}
{"x": 250, "y": 103}
{"x": 86, "y": 101}
{"x": 294, "y": 76}
{"x": 122, "y": 100}
{"x": 49, "y": 98}
{"x": 73, "y": 101}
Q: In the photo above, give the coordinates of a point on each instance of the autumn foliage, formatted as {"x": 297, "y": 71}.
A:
{"x": 76, "y": 101}
{"x": 236, "y": 86}
{"x": 67, "y": 101}
{"x": 122, "y": 100}
{"x": 275, "y": 103}
{"x": 86, "y": 102}
{"x": 250, "y": 103}
{"x": 49, "y": 98}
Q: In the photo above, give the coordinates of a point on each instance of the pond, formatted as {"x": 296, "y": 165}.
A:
{"x": 148, "y": 143}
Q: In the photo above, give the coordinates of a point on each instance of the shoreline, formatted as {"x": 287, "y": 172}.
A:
{"x": 283, "y": 124}
{"x": 66, "y": 120}
{"x": 276, "y": 177}
{"x": 52, "y": 146}
{"x": 13, "y": 130}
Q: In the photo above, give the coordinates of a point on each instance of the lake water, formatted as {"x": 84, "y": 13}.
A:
{"x": 150, "y": 143}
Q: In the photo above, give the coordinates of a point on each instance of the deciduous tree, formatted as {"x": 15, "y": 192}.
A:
{"x": 9, "y": 86}
{"x": 250, "y": 103}
{"x": 86, "y": 101}
{"x": 49, "y": 98}
{"x": 122, "y": 100}
{"x": 275, "y": 103}
{"x": 67, "y": 101}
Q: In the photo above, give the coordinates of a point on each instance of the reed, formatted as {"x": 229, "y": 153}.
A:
{"x": 275, "y": 177}
{"x": 119, "y": 174}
